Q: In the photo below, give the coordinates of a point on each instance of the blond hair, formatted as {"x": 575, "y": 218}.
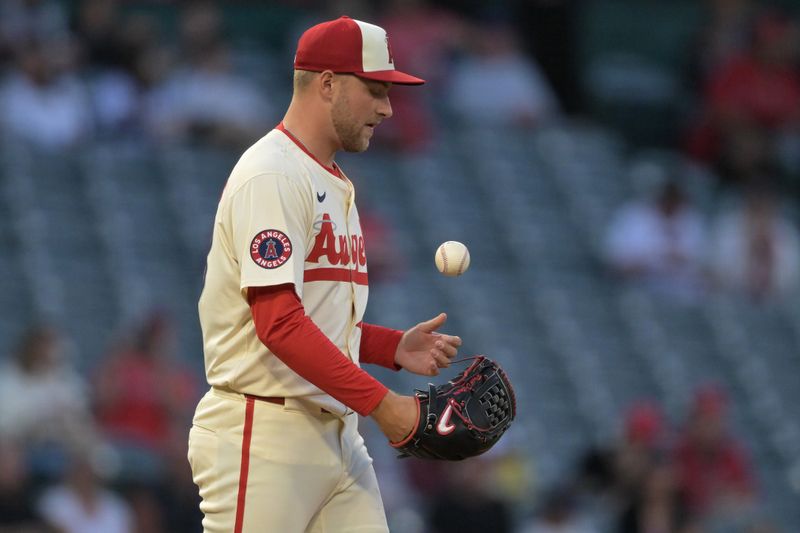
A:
{"x": 302, "y": 78}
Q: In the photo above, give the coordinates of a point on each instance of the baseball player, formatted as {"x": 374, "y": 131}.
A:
{"x": 274, "y": 445}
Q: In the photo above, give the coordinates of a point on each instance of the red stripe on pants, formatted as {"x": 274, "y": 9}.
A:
{"x": 245, "y": 466}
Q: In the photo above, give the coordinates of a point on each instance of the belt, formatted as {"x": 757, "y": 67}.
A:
{"x": 278, "y": 400}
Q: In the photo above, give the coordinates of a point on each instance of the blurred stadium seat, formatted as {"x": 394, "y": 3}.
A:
{"x": 117, "y": 229}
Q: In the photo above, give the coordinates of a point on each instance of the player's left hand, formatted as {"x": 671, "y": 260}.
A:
{"x": 424, "y": 351}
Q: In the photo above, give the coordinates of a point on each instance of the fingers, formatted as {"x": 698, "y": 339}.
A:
{"x": 444, "y": 351}
{"x": 440, "y": 359}
{"x": 452, "y": 340}
{"x": 433, "y": 324}
{"x": 449, "y": 348}
{"x": 449, "y": 339}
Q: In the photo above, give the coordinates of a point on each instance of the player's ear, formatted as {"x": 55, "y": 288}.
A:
{"x": 325, "y": 84}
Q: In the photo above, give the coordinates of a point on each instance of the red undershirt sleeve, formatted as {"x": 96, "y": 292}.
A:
{"x": 378, "y": 345}
{"x": 284, "y": 328}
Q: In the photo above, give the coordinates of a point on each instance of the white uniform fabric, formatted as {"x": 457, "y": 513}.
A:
{"x": 305, "y": 472}
{"x": 302, "y": 466}
{"x": 283, "y": 218}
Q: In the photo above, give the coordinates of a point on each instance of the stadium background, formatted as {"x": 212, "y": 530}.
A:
{"x": 545, "y": 125}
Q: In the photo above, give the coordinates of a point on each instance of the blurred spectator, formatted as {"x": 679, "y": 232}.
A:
{"x": 755, "y": 248}
{"x": 152, "y": 67}
{"x": 24, "y": 21}
{"x": 115, "y": 103}
{"x": 147, "y": 508}
{"x": 558, "y": 515}
{"x": 144, "y": 397}
{"x": 637, "y": 452}
{"x": 424, "y": 39}
{"x": 744, "y": 157}
{"x": 42, "y": 102}
{"x": 760, "y": 88}
{"x": 724, "y": 35}
{"x": 512, "y": 474}
{"x": 177, "y": 494}
{"x": 113, "y": 47}
{"x": 713, "y": 471}
{"x": 168, "y": 501}
{"x": 201, "y": 28}
{"x": 659, "y": 242}
{"x": 644, "y": 426}
{"x": 18, "y": 513}
{"x": 613, "y": 477}
{"x": 657, "y": 507}
{"x": 97, "y": 24}
{"x": 496, "y": 84}
{"x": 595, "y": 476}
{"x": 467, "y": 504}
{"x": 189, "y": 106}
{"x": 549, "y": 31}
{"x": 81, "y": 504}
{"x": 43, "y": 401}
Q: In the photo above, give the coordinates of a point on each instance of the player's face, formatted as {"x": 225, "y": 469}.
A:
{"x": 358, "y": 107}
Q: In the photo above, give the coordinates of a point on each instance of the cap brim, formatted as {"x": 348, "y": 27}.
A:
{"x": 391, "y": 76}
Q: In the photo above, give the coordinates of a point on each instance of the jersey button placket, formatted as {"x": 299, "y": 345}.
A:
{"x": 348, "y": 214}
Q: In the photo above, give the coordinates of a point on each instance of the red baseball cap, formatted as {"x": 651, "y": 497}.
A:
{"x": 349, "y": 46}
{"x": 644, "y": 424}
{"x": 710, "y": 400}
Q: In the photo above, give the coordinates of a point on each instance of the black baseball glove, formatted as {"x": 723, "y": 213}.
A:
{"x": 464, "y": 417}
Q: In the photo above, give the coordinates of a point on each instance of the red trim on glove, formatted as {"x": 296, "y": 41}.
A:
{"x": 284, "y": 328}
{"x": 413, "y": 429}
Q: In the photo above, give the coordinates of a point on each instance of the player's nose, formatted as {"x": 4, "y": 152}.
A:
{"x": 385, "y": 108}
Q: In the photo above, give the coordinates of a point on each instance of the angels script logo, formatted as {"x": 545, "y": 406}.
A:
{"x": 338, "y": 249}
{"x": 445, "y": 427}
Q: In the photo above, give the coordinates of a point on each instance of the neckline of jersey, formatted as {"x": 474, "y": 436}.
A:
{"x": 333, "y": 170}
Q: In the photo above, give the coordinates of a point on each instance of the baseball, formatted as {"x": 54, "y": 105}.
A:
{"x": 452, "y": 258}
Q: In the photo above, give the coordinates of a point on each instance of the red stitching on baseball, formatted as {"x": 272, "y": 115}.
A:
{"x": 463, "y": 259}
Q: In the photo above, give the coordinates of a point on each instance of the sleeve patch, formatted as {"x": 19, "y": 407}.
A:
{"x": 270, "y": 248}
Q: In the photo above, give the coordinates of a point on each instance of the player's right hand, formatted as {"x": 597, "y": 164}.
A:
{"x": 422, "y": 350}
{"x": 396, "y": 415}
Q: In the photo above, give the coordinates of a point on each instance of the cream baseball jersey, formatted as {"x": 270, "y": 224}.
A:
{"x": 283, "y": 218}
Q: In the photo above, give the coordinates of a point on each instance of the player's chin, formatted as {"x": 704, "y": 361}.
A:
{"x": 357, "y": 146}
{"x": 356, "y": 149}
